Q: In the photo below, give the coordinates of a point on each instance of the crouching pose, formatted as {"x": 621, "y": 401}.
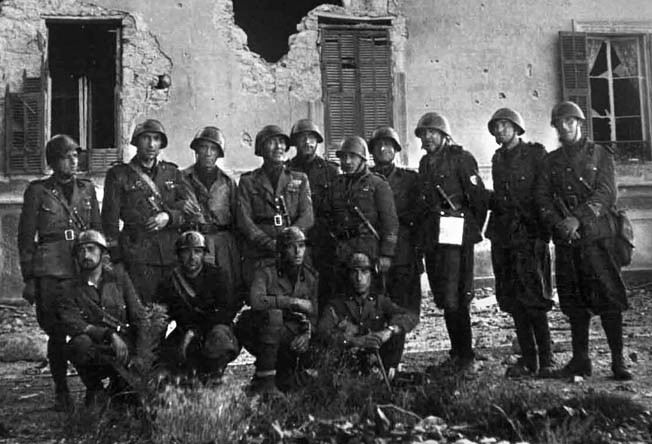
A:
{"x": 363, "y": 320}
{"x": 103, "y": 316}
{"x": 278, "y": 328}
{"x": 201, "y": 305}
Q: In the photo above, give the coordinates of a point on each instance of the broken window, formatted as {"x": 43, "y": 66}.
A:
{"x": 605, "y": 75}
{"x": 84, "y": 71}
{"x": 356, "y": 81}
{"x": 269, "y": 23}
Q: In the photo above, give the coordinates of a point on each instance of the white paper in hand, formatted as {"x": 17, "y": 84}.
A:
{"x": 451, "y": 230}
{"x": 171, "y": 326}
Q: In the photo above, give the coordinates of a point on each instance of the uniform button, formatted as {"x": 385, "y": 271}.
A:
{"x": 569, "y": 187}
{"x": 568, "y": 169}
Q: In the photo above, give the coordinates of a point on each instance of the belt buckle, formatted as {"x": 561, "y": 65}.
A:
{"x": 278, "y": 220}
{"x": 69, "y": 235}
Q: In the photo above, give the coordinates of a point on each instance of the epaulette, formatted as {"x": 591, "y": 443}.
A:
{"x": 378, "y": 175}
{"x": 535, "y": 145}
{"x": 117, "y": 162}
{"x": 82, "y": 182}
{"x": 456, "y": 149}
{"x": 608, "y": 148}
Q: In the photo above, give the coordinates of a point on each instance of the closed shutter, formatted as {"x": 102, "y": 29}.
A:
{"x": 575, "y": 73}
{"x": 357, "y": 83}
{"x": 24, "y": 125}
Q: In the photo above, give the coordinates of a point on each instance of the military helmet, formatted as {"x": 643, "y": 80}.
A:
{"x": 289, "y": 236}
{"x": 266, "y": 133}
{"x": 566, "y": 109}
{"x": 190, "y": 239}
{"x": 210, "y": 134}
{"x": 305, "y": 126}
{"x": 385, "y": 132}
{"x": 218, "y": 340}
{"x": 91, "y": 237}
{"x": 149, "y": 126}
{"x": 58, "y": 146}
{"x": 507, "y": 114}
{"x": 359, "y": 260}
{"x": 355, "y": 145}
{"x": 433, "y": 120}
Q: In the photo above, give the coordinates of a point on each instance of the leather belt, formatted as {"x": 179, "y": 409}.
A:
{"x": 213, "y": 228}
{"x": 347, "y": 234}
{"x": 68, "y": 235}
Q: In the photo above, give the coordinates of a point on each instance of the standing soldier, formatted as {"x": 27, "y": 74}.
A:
{"x": 361, "y": 211}
{"x": 306, "y": 137}
{"x": 271, "y": 198}
{"x": 198, "y": 302}
{"x": 55, "y": 210}
{"x": 214, "y": 208}
{"x": 278, "y": 328}
{"x": 148, "y": 195}
{"x": 403, "y": 278}
{"x": 519, "y": 244}
{"x": 455, "y": 206}
{"x": 103, "y": 316}
{"x": 576, "y": 194}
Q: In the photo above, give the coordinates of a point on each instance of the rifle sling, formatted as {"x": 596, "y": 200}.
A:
{"x": 73, "y": 215}
{"x": 148, "y": 181}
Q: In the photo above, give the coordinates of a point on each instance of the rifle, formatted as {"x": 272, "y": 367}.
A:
{"x": 383, "y": 372}
{"x": 445, "y": 196}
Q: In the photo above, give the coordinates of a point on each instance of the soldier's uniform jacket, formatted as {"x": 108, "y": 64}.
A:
{"x": 49, "y": 224}
{"x": 405, "y": 188}
{"x": 455, "y": 170}
{"x": 219, "y": 202}
{"x": 82, "y": 307}
{"x": 361, "y": 315}
{"x": 128, "y": 198}
{"x": 204, "y": 304}
{"x": 372, "y": 194}
{"x": 258, "y": 204}
{"x": 514, "y": 215}
{"x": 582, "y": 177}
{"x": 273, "y": 289}
{"x": 321, "y": 173}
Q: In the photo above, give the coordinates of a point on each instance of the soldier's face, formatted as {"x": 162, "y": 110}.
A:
{"x": 149, "y": 145}
{"x": 191, "y": 260}
{"x": 504, "y": 131}
{"x": 432, "y": 139}
{"x": 350, "y": 162}
{"x": 569, "y": 129}
{"x": 384, "y": 151}
{"x": 306, "y": 144}
{"x": 274, "y": 149}
{"x": 360, "y": 280}
{"x": 66, "y": 166}
{"x": 207, "y": 153}
{"x": 294, "y": 252}
{"x": 89, "y": 256}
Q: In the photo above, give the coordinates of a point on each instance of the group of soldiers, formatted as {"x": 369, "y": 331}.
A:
{"x": 323, "y": 256}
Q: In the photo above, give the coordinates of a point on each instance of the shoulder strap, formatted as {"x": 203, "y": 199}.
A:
{"x": 182, "y": 287}
{"x": 78, "y": 221}
{"x": 148, "y": 181}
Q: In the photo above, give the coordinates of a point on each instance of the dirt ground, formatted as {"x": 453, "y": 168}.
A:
{"x": 26, "y": 393}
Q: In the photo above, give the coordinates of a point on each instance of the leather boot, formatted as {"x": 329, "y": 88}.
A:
{"x": 541, "y": 329}
{"x": 612, "y": 323}
{"x": 580, "y": 363}
{"x": 59, "y": 369}
{"x": 453, "y": 333}
{"x": 527, "y": 365}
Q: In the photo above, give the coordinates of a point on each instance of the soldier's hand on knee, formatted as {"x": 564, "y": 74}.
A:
{"x": 372, "y": 341}
{"x": 183, "y": 347}
{"x": 300, "y": 343}
{"x": 29, "y": 292}
{"x": 119, "y": 348}
{"x": 384, "y": 263}
{"x": 301, "y": 305}
{"x": 158, "y": 222}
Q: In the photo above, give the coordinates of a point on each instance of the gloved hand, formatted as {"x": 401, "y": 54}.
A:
{"x": 568, "y": 227}
{"x": 29, "y": 292}
{"x": 300, "y": 343}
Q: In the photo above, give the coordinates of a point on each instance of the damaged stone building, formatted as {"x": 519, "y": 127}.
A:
{"x": 93, "y": 69}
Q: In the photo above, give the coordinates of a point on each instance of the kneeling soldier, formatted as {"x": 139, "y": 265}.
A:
{"x": 361, "y": 319}
{"x": 102, "y": 314}
{"x": 198, "y": 301}
{"x": 278, "y": 328}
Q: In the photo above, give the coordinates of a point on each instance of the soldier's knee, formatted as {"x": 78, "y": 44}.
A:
{"x": 80, "y": 350}
{"x": 220, "y": 343}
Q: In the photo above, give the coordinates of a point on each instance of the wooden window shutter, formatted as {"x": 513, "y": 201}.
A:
{"x": 357, "y": 82}
{"x": 24, "y": 126}
{"x": 375, "y": 81}
{"x": 575, "y": 73}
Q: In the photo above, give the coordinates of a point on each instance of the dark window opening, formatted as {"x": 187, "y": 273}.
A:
{"x": 269, "y": 23}
{"x": 82, "y": 64}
